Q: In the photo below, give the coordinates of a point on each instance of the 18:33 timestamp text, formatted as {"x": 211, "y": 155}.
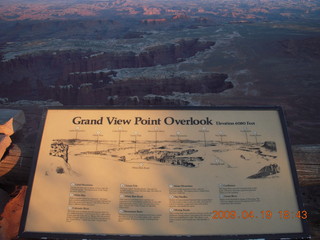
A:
{"x": 267, "y": 214}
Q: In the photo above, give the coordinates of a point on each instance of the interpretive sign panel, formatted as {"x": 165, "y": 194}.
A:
{"x": 219, "y": 172}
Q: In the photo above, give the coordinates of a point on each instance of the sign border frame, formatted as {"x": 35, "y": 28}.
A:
{"x": 47, "y": 235}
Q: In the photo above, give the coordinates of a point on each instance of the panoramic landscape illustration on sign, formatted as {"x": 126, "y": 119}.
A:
{"x": 176, "y": 152}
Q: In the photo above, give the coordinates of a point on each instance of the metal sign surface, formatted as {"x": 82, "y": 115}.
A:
{"x": 218, "y": 172}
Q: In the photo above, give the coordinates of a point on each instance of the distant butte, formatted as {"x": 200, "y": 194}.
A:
{"x": 245, "y": 9}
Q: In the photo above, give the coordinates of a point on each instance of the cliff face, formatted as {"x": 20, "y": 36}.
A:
{"x": 133, "y": 91}
{"x": 73, "y": 77}
{"x": 52, "y": 66}
{"x": 302, "y": 48}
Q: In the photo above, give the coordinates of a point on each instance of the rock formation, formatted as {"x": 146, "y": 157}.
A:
{"x": 271, "y": 146}
{"x": 10, "y": 121}
{"x": 77, "y": 77}
{"x": 266, "y": 171}
{"x": 177, "y": 158}
{"x": 58, "y": 65}
{"x": 302, "y": 48}
{"x": 137, "y": 90}
{"x": 5, "y": 142}
{"x": 11, "y": 215}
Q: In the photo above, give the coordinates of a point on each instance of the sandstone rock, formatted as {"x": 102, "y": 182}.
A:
{"x": 5, "y": 142}
{"x": 4, "y": 198}
{"x": 11, "y": 216}
{"x": 11, "y": 121}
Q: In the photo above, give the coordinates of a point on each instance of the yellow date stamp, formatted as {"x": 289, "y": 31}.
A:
{"x": 266, "y": 214}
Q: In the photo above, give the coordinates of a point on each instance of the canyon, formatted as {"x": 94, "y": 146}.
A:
{"x": 152, "y": 52}
{"x": 76, "y": 77}
{"x": 119, "y": 53}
